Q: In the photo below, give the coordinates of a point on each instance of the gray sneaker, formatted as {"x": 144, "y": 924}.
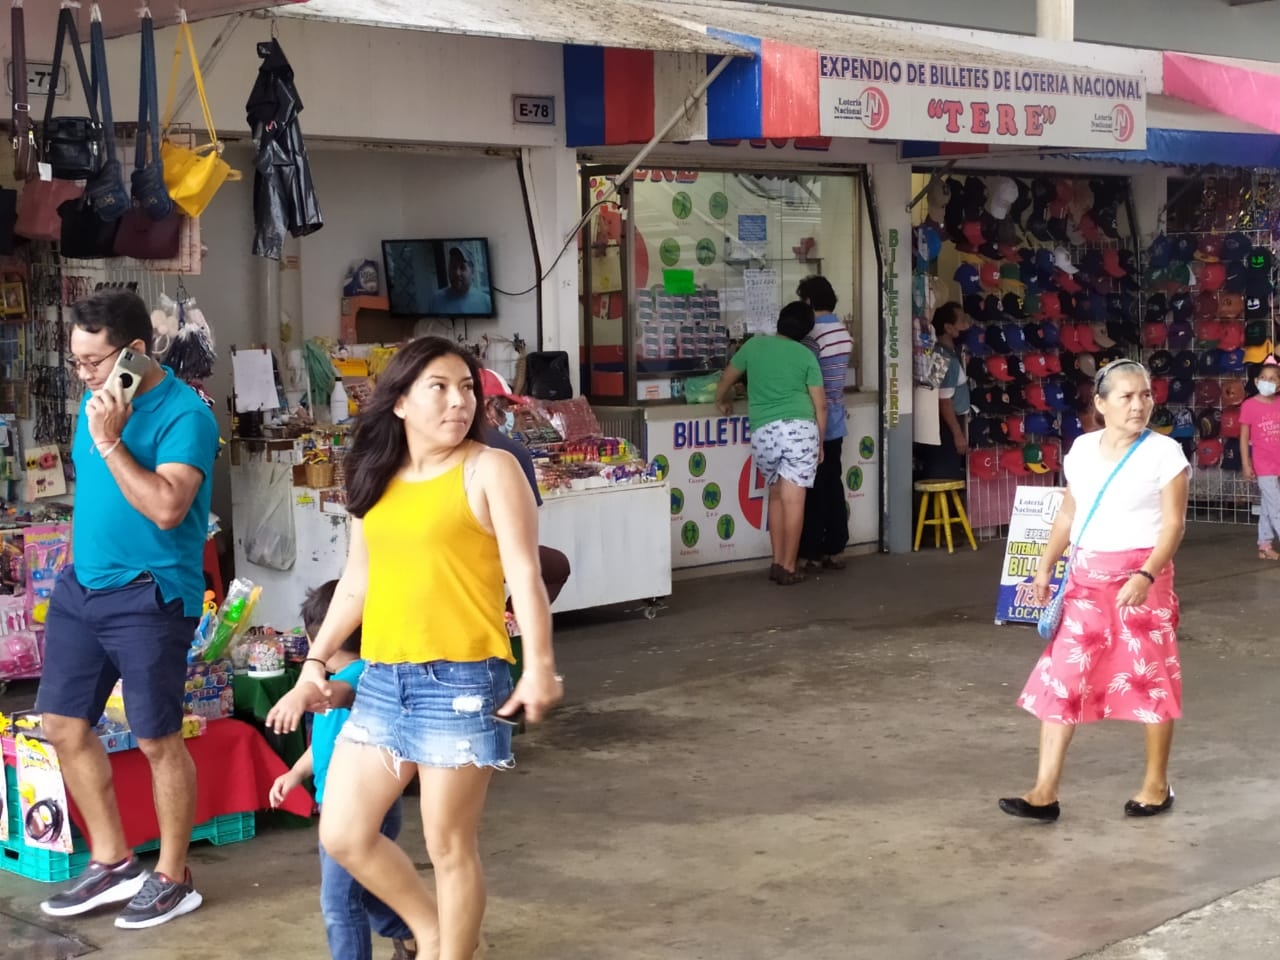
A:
{"x": 159, "y": 901}
{"x": 98, "y": 886}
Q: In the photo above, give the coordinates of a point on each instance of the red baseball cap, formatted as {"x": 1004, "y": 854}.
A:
{"x": 1034, "y": 394}
{"x": 1064, "y": 281}
{"x": 998, "y": 367}
{"x": 983, "y": 463}
{"x": 1212, "y": 276}
{"x": 1050, "y": 306}
{"x": 972, "y": 231}
{"x": 1111, "y": 263}
{"x": 1014, "y": 424}
{"x": 1089, "y": 228}
{"x": 989, "y": 274}
{"x": 1208, "y": 392}
{"x": 1232, "y": 336}
{"x": 1013, "y": 461}
{"x": 1084, "y": 333}
{"x": 1230, "y": 426}
{"x": 1037, "y": 364}
{"x": 1208, "y": 453}
{"x": 1160, "y": 390}
{"x": 1207, "y": 305}
{"x": 493, "y": 385}
{"x": 1069, "y": 337}
{"x": 1052, "y": 455}
{"x": 1154, "y": 333}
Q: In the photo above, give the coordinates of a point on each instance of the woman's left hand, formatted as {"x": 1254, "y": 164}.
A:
{"x": 1134, "y": 592}
{"x": 538, "y": 691}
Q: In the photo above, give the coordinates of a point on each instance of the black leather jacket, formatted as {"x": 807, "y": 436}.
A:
{"x": 284, "y": 195}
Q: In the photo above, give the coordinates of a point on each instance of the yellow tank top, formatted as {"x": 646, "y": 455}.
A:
{"x": 435, "y": 579}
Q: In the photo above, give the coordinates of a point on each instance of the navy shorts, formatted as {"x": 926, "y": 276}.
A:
{"x": 95, "y": 637}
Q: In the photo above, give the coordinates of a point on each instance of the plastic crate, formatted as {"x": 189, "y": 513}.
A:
{"x": 48, "y": 866}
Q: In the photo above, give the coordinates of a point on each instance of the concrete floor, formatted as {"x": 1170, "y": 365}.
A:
{"x": 811, "y": 773}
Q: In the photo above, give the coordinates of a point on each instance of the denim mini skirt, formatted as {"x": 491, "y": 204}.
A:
{"x": 437, "y": 714}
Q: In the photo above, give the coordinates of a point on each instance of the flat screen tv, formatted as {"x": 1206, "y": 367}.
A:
{"x": 438, "y": 278}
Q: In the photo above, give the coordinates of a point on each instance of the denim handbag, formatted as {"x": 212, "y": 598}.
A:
{"x": 1051, "y": 615}
{"x": 149, "y": 192}
{"x": 106, "y": 190}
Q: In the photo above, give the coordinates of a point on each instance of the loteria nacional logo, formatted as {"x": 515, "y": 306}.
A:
{"x": 875, "y": 108}
{"x": 1123, "y": 123}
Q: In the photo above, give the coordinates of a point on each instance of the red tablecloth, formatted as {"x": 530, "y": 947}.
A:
{"x": 235, "y": 769}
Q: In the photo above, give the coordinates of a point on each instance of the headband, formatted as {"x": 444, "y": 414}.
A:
{"x": 1105, "y": 371}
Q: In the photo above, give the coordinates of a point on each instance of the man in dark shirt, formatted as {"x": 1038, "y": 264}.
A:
{"x": 498, "y": 401}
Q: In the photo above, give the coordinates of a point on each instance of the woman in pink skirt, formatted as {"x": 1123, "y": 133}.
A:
{"x": 1115, "y": 654}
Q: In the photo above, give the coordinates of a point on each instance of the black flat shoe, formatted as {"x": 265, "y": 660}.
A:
{"x": 1017, "y": 807}
{"x": 1132, "y": 808}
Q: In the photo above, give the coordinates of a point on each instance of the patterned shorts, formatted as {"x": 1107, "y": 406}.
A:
{"x": 787, "y": 449}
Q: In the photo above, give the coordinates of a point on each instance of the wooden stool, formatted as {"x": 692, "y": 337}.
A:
{"x": 935, "y": 493}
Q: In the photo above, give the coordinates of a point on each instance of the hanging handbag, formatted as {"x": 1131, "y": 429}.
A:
{"x": 148, "y": 188}
{"x": 1051, "y": 616}
{"x": 38, "y": 208}
{"x": 26, "y": 153}
{"x": 192, "y": 176}
{"x": 85, "y": 235}
{"x": 106, "y": 190}
{"x": 72, "y": 146}
{"x": 144, "y": 238}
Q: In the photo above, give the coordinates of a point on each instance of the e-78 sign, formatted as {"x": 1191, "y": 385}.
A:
{"x": 533, "y": 109}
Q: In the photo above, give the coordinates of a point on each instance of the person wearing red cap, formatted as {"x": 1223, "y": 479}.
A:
{"x": 1115, "y": 652}
{"x": 1260, "y": 454}
{"x": 498, "y": 401}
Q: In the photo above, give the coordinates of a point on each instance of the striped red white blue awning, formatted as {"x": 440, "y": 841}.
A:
{"x": 811, "y": 74}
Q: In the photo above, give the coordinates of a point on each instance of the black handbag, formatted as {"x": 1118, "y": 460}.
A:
{"x": 85, "y": 235}
{"x": 149, "y": 191}
{"x": 72, "y": 146}
{"x": 106, "y": 190}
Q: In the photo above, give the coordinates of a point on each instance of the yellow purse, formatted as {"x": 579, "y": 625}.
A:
{"x": 192, "y": 175}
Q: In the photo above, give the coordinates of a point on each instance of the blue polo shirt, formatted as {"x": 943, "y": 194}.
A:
{"x": 112, "y": 542}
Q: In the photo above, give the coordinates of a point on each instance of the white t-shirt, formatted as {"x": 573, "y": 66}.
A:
{"x": 1128, "y": 518}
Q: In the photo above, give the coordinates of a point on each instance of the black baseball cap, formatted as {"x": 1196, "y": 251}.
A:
{"x": 1160, "y": 363}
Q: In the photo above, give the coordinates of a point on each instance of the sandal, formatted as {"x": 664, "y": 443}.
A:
{"x": 1267, "y": 553}
{"x": 833, "y": 563}
{"x": 775, "y": 571}
{"x": 787, "y": 578}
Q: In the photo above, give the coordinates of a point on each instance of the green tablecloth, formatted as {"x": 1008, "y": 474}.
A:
{"x": 254, "y": 699}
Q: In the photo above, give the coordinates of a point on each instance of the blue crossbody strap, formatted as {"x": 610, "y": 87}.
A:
{"x": 1098, "y": 499}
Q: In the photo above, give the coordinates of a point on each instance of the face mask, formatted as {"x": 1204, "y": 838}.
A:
{"x": 1266, "y": 388}
{"x": 509, "y": 423}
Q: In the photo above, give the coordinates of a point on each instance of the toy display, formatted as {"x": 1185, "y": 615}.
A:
{"x": 42, "y": 795}
{"x": 219, "y": 631}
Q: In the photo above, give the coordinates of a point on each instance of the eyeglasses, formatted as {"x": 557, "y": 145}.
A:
{"x": 90, "y": 366}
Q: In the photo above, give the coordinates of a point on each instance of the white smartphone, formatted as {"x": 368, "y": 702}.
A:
{"x": 125, "y": 376}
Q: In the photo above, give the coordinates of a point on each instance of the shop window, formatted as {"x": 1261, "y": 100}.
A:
{"x": 696, "y": 260}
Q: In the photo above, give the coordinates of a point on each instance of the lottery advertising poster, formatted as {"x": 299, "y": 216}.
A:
{"x": 42, "y": 797}
{"x": 719, "y": 502}
{"x": 1034, "y": 510}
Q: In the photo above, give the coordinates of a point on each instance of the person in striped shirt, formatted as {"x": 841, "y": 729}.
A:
{"x": 826, "y": 524}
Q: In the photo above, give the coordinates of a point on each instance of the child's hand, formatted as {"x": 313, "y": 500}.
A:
{"x": 1249, "y": 473}
{"x": 287, "y": 713}
{"x": 285, "y": 783}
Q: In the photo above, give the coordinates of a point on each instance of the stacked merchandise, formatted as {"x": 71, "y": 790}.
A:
{"x": 1042, "y": 271}
{"x": 1208, "y": 328}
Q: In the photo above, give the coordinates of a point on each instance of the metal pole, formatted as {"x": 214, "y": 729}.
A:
{"x": 1056, "y": 19}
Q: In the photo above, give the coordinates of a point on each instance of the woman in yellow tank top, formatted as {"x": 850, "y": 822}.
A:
{"x": 439, "y": 520}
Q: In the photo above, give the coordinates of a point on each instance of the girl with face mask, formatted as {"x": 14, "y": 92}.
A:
{"x": 1260, "y": 453}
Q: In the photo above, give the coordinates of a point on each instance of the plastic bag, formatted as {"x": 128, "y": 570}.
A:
{"x": 269, "y": 539}
{"x": 701, "y": 389}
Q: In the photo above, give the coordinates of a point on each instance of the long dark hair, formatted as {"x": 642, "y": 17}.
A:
{"x": 378, "y": 445}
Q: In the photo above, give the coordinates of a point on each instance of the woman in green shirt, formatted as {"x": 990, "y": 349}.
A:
{"x": 787, "y": 411}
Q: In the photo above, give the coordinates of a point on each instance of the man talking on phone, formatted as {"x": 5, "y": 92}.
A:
{"x": 127, "y": 608}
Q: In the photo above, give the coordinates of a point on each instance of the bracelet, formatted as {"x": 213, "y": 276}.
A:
{"x": 315, "y": 660}
{"x": 97, "y": 448}
{"x": 1143, "y": 573}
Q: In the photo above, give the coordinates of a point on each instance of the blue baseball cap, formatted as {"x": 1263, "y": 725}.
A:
{"x": 1057, "y": 396}
{"x": 967, "y": 276}
{"x": 1161, "y": 252}
{"x": 1233, "y": 361}
{"x": 1040, "y": 424}
{"x": 1013, "y": 336}
{"x": 975, "y": 339}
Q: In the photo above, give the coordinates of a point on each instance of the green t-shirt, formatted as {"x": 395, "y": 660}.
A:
{"x": 779, "y": 374}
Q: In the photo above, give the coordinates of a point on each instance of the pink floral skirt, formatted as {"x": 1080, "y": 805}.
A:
{"x": 1108, "y": 662}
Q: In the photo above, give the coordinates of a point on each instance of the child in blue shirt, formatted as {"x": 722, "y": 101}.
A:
{"x": 350, "y": 912}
